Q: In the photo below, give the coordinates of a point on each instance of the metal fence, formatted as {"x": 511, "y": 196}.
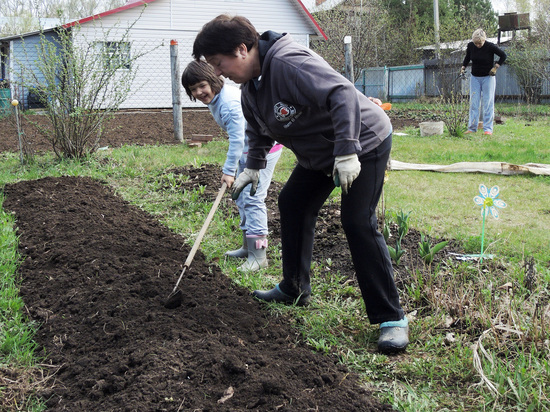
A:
{"x": 431, "y": 79}
{"x": 152, "y": 88}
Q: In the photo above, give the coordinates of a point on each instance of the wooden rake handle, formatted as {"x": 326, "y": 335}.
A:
{"x": 202, "y": 232}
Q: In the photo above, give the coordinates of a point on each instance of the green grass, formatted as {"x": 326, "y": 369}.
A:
{"x": 513, "y": 142}
{"x": 442, "y": 202}
{"x": 16, "y": 344}
{"x": 469, "y": 322}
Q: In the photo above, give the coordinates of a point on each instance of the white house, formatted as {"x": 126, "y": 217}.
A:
{"x": 154, "y": 24}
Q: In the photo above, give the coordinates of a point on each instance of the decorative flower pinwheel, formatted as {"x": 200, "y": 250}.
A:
{"x": 489, "y": 203}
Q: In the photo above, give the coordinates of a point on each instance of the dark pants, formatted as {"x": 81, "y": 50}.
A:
{"x": 299, "y": 203}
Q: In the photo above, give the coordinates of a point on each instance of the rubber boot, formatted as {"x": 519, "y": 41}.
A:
{"x": 277, "y": 295}
{"x": 257, "y": 246}
{"x": 239, "y": 253}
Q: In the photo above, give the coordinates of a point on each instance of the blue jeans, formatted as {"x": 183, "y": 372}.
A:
{"x": 482, "y": 90}
{"x": 252, "y": 209}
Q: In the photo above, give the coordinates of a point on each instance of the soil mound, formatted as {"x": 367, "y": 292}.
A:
{"x": 95, "y": 274}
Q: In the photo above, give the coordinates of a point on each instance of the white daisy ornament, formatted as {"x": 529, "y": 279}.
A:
{"x": 489, "y": 201}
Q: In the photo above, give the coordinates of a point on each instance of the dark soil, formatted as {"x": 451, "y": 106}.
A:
{"x": 129, "y": 127}
{"x": 97, "y": 270}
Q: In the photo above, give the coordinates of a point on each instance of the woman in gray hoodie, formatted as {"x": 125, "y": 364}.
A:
{"x": 340, "y": 138}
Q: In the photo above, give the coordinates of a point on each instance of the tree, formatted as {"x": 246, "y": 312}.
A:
{"x": 529, "y": 55}
{"x": 412, "y": 24}
{"x": 364, "y": 22}
{"x": 25, "y": 15}
{"x": 391, "y": 32}
{"x": 81, "y": 82}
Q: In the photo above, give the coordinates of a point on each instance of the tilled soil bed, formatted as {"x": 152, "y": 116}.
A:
{"x": 139, "y": 127}
{"x": 95, "y": 275}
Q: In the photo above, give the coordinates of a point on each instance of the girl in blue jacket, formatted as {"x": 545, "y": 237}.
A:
{"x": 224, "y": 101}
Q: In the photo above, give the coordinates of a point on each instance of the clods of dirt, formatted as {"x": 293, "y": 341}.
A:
{"x": 96, "y": 271}
{"x": 138, "y": 127}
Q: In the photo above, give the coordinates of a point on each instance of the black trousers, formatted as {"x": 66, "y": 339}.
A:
{"x": 299, "y": 203}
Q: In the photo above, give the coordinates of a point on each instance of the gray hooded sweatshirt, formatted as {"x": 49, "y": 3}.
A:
{"x": 304, "y": 104}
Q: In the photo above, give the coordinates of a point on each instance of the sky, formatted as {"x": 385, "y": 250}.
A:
{"x": 500, "y": 6}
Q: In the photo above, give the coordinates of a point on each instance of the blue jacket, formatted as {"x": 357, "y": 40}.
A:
{"x": 227, "y": 111}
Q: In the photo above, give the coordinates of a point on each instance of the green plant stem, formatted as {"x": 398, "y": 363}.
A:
{"x": 482, "y": 233}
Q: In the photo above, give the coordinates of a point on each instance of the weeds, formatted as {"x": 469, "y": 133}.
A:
{"x": 454, "y": 113}
{"x": 403, "y": 222}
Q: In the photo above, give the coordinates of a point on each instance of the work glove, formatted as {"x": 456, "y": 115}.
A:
{"x": 346, "y": 169}
{"x": 245, "y": 178}
{"x": 493, "y": 71}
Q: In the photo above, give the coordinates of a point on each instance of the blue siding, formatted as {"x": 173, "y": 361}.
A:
{"x": 25, "y": 64}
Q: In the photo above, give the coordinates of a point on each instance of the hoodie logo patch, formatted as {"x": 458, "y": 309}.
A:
{"x": 284, "y": 112}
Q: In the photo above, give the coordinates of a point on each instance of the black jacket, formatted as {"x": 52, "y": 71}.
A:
{"x": 483, "y": 58}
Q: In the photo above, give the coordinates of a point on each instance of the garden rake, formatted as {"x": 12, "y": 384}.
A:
{"x": 175, "y": 298}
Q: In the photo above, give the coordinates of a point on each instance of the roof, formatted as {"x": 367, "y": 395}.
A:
{"x": 320, "y": 31}
{"x": 129, "y": 5}
{"x": 134, "y": 3}
{"x": 321, "y": 5}
{"x": 18, "y": 36}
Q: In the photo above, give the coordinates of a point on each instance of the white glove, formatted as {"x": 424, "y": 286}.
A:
{"x": 346, "y": 169}
{"x": 245, "y": 178}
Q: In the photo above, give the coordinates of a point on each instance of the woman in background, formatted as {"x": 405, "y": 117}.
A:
{"x": 482, "y": 82}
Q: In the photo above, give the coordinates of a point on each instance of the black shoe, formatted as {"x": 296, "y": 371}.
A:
{"x": 393, "y": 339}
{"x": 278, "y": 296}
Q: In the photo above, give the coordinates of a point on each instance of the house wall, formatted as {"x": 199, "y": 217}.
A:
{"x": 23, "y": 65}
{"x": 164, "y": 20}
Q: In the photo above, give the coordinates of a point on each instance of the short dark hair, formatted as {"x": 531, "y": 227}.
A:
{"x": 198, "y": 71}
{"x": 223, "y": 35}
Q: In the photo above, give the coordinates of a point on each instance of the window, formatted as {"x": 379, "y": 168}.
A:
{"x": 115, "y": 54}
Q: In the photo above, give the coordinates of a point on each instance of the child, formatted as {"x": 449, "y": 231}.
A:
{"x": 224, "y": 101}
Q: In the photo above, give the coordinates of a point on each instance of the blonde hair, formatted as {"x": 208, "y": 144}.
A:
{"x": 479, "y": 35}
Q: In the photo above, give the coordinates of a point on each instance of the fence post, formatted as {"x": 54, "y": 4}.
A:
{"x": 176, "y": 91}
{"x": 348, "y": 72}
{"x": 387, "y": 95}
